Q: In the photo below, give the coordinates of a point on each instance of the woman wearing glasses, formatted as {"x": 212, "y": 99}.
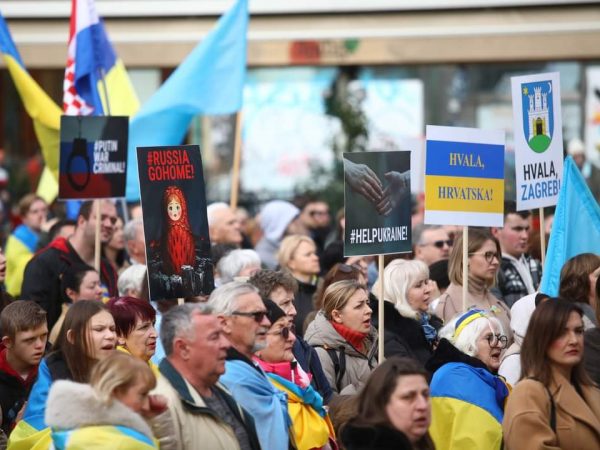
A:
{"x": 343, "y": 336}
{"x": 467, "y": 397}
{"x": 556, "y": 404}
{"x": 409, "y": 328}
{"x": 311, "y": 426}
{"x": 484, "y": 261}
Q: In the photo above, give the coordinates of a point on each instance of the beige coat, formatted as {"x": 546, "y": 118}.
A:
{"x": 194, "y": 430}
{"x": 527, "y": 417}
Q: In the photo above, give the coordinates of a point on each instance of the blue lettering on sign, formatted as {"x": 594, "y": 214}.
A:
{"x": 540, "y": 189}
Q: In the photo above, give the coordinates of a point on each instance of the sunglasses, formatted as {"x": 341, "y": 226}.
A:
{"x": 284, "y": 332}
{"x": 258, "y": 316}
{"x": 489, "y": 256}
{"x": 440, "y": 244}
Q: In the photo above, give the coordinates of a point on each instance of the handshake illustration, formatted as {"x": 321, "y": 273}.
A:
{"x": 365, "y": 182}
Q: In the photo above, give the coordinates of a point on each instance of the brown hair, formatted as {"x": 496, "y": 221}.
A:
{"x": 338, "y": 272}
{"x": 77, "y": 353}
{"x": 337, "y": 295}
{"x": 545, "y": 326}
{"x": 22, "y": 315}
{"x": 575, "y": 277}
{"x": 26, "y": 202}
{"x": 477, "y": 238}
{"x": 268, "y": 280}
{"x": 373, "y": 399}
{"x": 117, "y": 373}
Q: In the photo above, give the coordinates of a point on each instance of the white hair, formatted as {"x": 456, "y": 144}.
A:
{"x": 131, "y": 279}
{"x": 130, "y": 229}
{"x": 230, "y": 265}
{"x": 224, "y": 299}
{"x": 467, "y": 339}
{"x": 398, "y": 277}
{"x": 212, "y": 211}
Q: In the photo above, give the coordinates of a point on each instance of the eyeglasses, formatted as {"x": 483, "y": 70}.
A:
{"x": 258, "y": 316}
{"x": 498, "y": 340}
{"x": 440, "y": 244}
{"x": 489, "y": 256}
{"x": 284, "y": 332}
{"x": 348, "y": 268}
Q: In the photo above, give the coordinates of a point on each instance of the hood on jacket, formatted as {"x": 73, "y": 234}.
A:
{"x": 520, "y": 313}
{"x": 275, "y": 218}
{"x": 447, "y": 353}
{"x": 73, "y": 405}
{"x": 320, "y": 332}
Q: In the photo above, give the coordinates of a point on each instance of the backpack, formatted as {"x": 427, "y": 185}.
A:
{"x": 339, "y": 363}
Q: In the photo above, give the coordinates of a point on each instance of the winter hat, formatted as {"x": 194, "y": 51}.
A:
{"x": 274, "y": 312}
{"x": 275, "y": 218}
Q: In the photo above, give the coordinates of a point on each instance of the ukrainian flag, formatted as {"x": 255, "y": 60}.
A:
{"x": 40, "y": 107}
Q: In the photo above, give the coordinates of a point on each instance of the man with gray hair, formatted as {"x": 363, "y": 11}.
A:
{"x": 223, "y": 225}
{"x": 431, "y": 243}
{"x": 133, "y": 234}
{"x": 204, "y": 414}
{"x": 245, "y": 324}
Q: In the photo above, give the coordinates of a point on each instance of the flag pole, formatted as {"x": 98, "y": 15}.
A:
{"x": 97, "y": 237}
{"x": 237, "y": 156}
{"x": 465, "y": 271}
{"x": 542, "y": 237}
{"x": 380, "y": 318}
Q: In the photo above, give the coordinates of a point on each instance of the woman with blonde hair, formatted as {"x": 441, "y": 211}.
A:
{"x": 410, "y": 329}
{"x": 483, "y": 263}
{"x": 343, "y": 336}
{"x": 114, "y": 411}
{"x": 298, "y": 255}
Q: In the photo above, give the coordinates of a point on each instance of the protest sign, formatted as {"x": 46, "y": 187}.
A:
{"x": 175, "y": 222}
{"x": 377, "y": 203}
{"x": 538, "y": 139}
{"x": 93, "y": 157}
{"x": 464, "y": 177}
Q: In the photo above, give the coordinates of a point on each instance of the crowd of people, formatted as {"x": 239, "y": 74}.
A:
{"x": 283, "y": 354}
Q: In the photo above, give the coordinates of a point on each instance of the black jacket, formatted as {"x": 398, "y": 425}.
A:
{"x": 41, "y": 279}
{"x": 404, "y": 336}
{"x": 447, "y": 353}
{"x": 355, "y": 437}
{"x": 303, "y": 302}
{"x": 13, "y": 394}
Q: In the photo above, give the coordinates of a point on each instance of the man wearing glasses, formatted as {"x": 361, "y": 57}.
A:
{"x": 245, "y": 325}
{"x": 431, "y": 243}
{"x": 42, "y": 277}
{"x": 519, "y": 273}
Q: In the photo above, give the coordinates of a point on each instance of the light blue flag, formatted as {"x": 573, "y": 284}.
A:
{"x": 575, "y": 229}
{"x": 209, "y": 81}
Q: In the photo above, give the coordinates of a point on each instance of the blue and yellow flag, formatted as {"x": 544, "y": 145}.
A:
{"x": 209, "y": 81}
{"x": 44, "y": 112}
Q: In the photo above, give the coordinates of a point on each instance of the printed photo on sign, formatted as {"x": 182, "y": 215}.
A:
{"x": 175, "y": 222}
{"x": 464, "y": 177}
{"x": 377, "y": 203}
{"x": 538, "y": 139}
{"x": 93, "y": 157}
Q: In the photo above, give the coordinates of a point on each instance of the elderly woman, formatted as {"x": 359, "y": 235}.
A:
{"x": 483, "y": 263}
{"x": 134, "y": 321}
{"x": 464, "y": 388}
{"x": 311, "y": 426}
{"x": 114, "y": 411}
{"x": 298, "y": 255}
{"x": 394, "y": 409}
{"x": 556, "y": 404}
{"x": 343, "y": 336}
{"x": 238, "y": 264}
{"x": 409, "y": 328}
